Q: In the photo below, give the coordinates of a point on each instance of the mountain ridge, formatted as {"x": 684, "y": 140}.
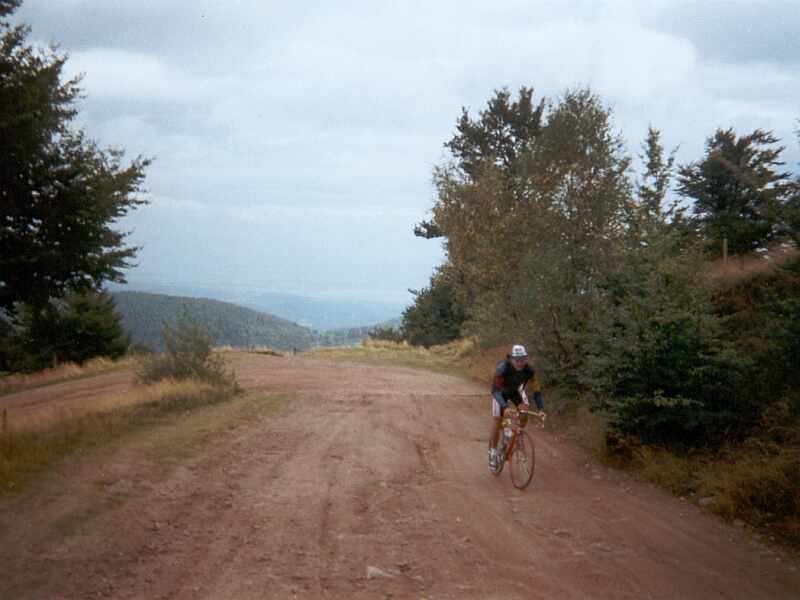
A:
{"x": 144, "y": 315}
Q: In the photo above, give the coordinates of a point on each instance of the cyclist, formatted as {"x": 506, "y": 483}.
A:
{"x": 510, "y": 379}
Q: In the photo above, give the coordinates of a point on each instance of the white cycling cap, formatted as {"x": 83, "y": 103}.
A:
{"x": 518, "y": 351}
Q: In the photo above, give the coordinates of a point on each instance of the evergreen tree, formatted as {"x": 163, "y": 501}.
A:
{"x": 739, "y": 195}
{"x": 74, "y": 329}
{"x": 500, "y": 137}
{"x": 434, "y": 318}
{"x": 649, "y": 212}
{"x": 60, "y": 194}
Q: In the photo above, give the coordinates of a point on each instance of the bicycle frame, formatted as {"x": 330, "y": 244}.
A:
{"x": 511, "y": 419}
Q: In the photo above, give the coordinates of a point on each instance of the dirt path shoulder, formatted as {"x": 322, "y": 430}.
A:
{"x": 371, "y": 483}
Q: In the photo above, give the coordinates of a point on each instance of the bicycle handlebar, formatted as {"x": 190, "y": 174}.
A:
{"x": 539, "y": 414}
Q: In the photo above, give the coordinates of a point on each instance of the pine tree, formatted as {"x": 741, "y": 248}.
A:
{"x": 73, "y": 329}
{"x": 739, "y": 195}
{"x": 60, "y": 195}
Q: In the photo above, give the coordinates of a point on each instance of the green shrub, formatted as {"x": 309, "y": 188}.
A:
{"x": 73, "y": 329}
{"x": 435, "y": 318}
{"x": 188, "y": 354}
{"x": 658, "y": 420}
{"x": 386, "y": 334}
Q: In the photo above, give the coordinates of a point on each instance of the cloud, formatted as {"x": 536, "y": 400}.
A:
{"x": 735, "y": 31}
{"x": 289, "y": 137}
{"x": 113, "y": 74}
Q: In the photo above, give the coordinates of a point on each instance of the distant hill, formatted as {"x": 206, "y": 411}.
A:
{"x": 322, "y": 315}
{"x": 144, "y": 315}
{"x": 315, "y": 313}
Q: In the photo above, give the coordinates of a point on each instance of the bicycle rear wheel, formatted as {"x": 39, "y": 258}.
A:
{"x": 523, "y": 460}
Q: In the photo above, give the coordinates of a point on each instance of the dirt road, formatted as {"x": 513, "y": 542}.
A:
{"x": 372, "y": 483}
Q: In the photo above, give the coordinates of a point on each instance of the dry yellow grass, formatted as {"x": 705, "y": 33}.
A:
{"x": 436, "y": 358}
{"x": 65, "y": 372}
{"x": 45, "y": 416}
{"x": 28, "y": 445}
{"x": 737, "y": 269}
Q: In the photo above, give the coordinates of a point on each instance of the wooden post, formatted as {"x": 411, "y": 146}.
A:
{"x": 5, "y": 421}
{"x": 724, "y": 248}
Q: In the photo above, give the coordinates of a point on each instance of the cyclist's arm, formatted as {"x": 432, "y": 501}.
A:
{"x": 536, "y": 389}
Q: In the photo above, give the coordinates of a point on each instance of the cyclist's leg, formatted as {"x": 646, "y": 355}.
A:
{"x": 497, "y": 415}
{"x": 494, "y": 435}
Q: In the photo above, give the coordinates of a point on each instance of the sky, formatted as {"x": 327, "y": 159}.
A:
{"x": 294, "y": 142}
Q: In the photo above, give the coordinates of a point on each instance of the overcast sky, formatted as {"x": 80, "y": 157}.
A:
{"x": 294, "y": 141}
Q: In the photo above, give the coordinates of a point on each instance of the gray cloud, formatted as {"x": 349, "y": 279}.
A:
{"x": 296, "y": 140}
{"x": 735, "y": 31}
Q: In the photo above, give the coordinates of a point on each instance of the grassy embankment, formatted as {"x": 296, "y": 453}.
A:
{"x": 18, "y": 382}
{"x": 33, "y": 437}
{"x": 747, "y": 483}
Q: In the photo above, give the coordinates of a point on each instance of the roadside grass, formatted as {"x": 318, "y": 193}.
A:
{"x": 26, "y": 451}
{"x": 759, "y": 486}
{"x": 42, "y": 417}
{"x": 251, "y": 350}
{"x": 440, "y": 359}
{"x": 18, "y": 382}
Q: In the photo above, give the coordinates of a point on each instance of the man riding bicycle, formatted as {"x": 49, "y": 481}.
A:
{"x": 511, "y": 376}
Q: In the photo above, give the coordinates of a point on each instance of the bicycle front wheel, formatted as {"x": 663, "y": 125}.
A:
{"x": 501, "y": 452}
{"x": 523, "y": 460}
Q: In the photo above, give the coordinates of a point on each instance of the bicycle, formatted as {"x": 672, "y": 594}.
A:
{"x": 516, "y": 446}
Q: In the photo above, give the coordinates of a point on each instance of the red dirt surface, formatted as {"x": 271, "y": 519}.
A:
{"x": 372, "y": 484}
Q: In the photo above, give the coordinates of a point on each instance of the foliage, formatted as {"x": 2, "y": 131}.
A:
{"x": 761, "y": 314}
{"x": 498, "y": 139}
{"x": 655, "y": 335}
{"x": 71, "y": 330}
{"x": 575, "y": 224}
{"x": 657, "y": 420}
{"x": 386, "y": 334}
{"x": 61, "y": 195}
{"x": 188, "y": 355}
{"x": 738, "y": 194}
{"x": 549, "y": 241}
{"x": 434, "y": 318}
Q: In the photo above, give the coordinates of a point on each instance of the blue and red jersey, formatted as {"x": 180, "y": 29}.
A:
{"x": 508, "y": 382}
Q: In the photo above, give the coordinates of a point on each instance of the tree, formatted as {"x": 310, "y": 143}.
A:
{"x": 434, "y": 318}
{"x": 649, "y": 212}
{"x": 739, "y": 196}
{"x": 61, "y": 195}
{"x": 499, "y": 137}
{"x": 73, "y": 329}
{"x": 578, "y": 191}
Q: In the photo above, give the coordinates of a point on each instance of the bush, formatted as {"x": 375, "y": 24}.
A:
{"x": 658, "y": 420}
{"x": 435, "y": 318}
{"x": 188, "y": 355}
{"x": 386, "y": 334}
{"x": 73, "y": 329}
